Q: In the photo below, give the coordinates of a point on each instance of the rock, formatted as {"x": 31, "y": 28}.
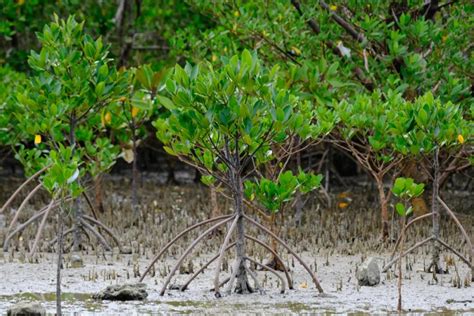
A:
{"x": 26, "y": 309}
{"x": 76, "y": 261}
{"x": 123, "y": 292}
{"x": 369, "y": 273}
{"x": 126, "y": 250}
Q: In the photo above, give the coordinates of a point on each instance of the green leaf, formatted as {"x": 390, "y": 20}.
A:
{"x": 208, "y": 180}
{"x": 399, "y": 186}
{"x": 169, "y": 150}
{"x": 166, "y": 102}
{"x": 400, "y": 209}
{"x": 99, "y": 88}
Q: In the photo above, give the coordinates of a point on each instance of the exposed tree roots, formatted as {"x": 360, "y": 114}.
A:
{"x": 44, "y": 214}
{"x": 437, "y": 242}
{"x": 239, "y": 270}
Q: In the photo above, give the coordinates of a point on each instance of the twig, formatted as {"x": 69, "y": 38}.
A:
{"x": 345, "y": 25}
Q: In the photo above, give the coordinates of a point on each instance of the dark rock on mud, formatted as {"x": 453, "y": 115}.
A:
{"x": 123, "y": 292}
{"x": 26, "y": 309}
{"x": 369, "y": 273}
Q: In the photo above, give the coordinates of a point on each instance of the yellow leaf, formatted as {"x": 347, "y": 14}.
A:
{"x": 304, "y": 285}
{"x": 444, "y": 38}
{"x": 122, "y": 99}
{"x": 296, "y": 50}
{"x": 236, "y": 14}
{"x": 135, "y": 111}
{"x": 333, "y": 7}
{"x": 460, "y": 139}
{"x": 37, "y": 139}
{"x": 214, "y": 58}
{"x": 108, "y": 118}
{"x": 21, "y": 2}
{"x": 343, "y": 205}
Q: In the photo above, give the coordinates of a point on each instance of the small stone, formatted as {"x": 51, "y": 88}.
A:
{"x": 369, "y": 273}
{"x": 123, "y": 292}
{"x": 126, "y": 250}
{"x": 26, "y": 309}
{"x": 76, "y": 262}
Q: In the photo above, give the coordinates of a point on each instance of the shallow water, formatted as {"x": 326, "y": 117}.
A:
{"x": 83, "y": 304}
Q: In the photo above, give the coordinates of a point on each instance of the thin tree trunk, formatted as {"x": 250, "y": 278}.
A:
{"x": 134, "y": 177}
{"x": 435, "y": 256}
{"x": 242, "y": 283}
{"x": 402, "y": 241}
{"x": 58, "y": 271}
{"x": 99, "y": 194}
{"x": 383, "y": 207}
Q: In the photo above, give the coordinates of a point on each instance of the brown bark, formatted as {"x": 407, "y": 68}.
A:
{"x": 383, "y": 208}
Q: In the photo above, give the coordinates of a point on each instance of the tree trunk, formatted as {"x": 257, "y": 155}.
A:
{"x": 99, "y": 194}
{"x": 58, "y": 271}
{"x": 435, "y": 256}
{"x": 402, "y": 242}
{"x": 383, "y": 207}
{"x": 242, "y": 283}
{"x": 134, "y": 177}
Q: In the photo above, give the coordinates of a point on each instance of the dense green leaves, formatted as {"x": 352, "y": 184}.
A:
{"x": 273, "y": 194}
{"x": 239, "y": 104}
{"x": 61, "y": 106}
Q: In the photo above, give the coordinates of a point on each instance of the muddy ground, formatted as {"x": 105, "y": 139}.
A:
{"x": 333, "y": 240}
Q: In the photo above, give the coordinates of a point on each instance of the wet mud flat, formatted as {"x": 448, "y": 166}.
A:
{"x": 422, "y": 294}
{"x": 333, "y": 241}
